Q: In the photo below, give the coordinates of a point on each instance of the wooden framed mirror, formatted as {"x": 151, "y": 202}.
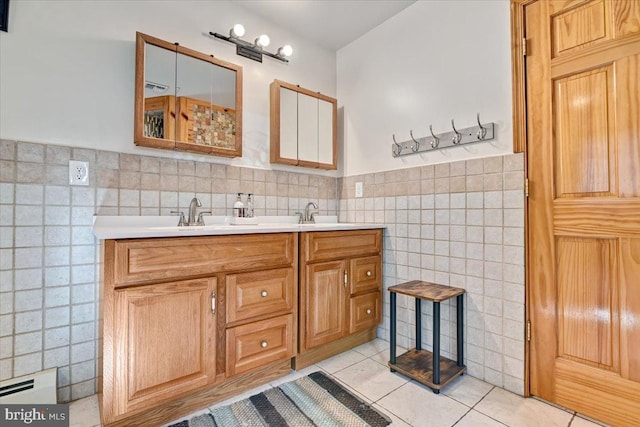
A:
{"x": 186, "y": 100}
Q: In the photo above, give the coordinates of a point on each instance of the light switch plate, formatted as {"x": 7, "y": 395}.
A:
{"x": 359, "y": 188}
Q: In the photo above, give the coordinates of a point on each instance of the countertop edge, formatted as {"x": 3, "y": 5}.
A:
{"x": 108, "y": 233}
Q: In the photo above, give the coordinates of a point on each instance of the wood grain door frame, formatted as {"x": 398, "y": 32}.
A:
{"x": 519, "y": 117}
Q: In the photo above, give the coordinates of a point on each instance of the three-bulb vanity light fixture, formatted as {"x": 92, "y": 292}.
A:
{"x": 253, "y": 50}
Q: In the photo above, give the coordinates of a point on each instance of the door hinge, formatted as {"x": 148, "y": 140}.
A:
{"x": 526, "y": 187}
{"x": 524, "y": 46}
{"x": 528, "y": 330}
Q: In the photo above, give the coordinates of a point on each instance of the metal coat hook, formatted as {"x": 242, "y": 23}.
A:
{"x": 416, "y": 145}
{"x": 482, "y": 133}
{"x": 458, "y": 136}
{"x": 397, "y": 148}
{"x": 436, "y": 140}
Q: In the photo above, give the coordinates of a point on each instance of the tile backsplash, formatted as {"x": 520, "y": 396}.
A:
{"x": 49, "y": 258}
{"x": 460, "y": 224}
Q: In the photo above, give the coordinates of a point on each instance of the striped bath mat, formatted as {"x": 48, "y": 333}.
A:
{"x": 314, "y": 400}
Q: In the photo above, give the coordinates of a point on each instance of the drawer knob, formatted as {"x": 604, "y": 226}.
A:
{"x": 368, "y": 311}
{"x": 264, "y": 293}
{"x": 263, "y": 344}
{"x": 368, "y": 273}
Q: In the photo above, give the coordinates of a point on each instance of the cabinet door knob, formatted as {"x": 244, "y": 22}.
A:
{"x": 263, "y": 293}
{"x": 368, "y": 311}
{"x": 368, "y": 273}
{"x": 263, "y": 344}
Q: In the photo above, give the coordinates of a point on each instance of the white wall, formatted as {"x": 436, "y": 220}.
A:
{"x": 67, "y": 70}
{"x": 433, "y": 62}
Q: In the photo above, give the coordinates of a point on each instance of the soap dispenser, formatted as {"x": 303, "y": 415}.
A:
{"x": 249, "y": 208}
{"x": 238, "y": 207}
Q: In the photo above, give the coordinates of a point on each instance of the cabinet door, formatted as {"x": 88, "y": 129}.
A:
{"x": 307, "y": 130}
{"x": 164, "y": 344}
{"x": 326, "y": 134}
{"x": 289, "y": 124}
{"x": 325, "y": 303}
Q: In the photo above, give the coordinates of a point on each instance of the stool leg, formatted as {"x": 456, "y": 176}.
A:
{"x": 460, "y": 328}
{"x": 418, "y": 325}
{"x": 392, "y": 329}
{"x": 436, "y": 344}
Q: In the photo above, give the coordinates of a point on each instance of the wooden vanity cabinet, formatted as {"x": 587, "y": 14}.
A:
{"x": 190, "y": 321}
{"x": 340, "y": 292}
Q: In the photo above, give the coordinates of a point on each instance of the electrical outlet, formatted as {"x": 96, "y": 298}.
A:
{"x": 359, "y": 188}
{"x": 78, "y": 173}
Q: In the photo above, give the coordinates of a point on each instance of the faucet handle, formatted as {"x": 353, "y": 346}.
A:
{"x": 182, "y": 222}
{"x": 300, "y": 217}
{"x": 200, "y": 220}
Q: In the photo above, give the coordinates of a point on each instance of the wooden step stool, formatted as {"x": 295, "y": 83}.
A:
{"x": 426, "y": 367}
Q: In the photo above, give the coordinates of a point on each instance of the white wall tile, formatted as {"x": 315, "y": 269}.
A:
{"x": 29, "y": 194}
{"x": 58, "y": 337}
{"x": 27, "y": 343}
{"x": 28, "y": 321}
{"x": 27, "y": 364}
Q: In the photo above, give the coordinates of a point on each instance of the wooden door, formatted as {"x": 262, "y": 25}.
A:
{"x": 325, "y": 303}
{"x": 165, "y": 345}
{"x": 583, "y": 154}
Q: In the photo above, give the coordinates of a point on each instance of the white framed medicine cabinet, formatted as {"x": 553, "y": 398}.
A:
{"x": 304, "y": 128}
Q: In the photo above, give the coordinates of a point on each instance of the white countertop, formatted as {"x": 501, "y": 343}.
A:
{"x": 128, "y": 227}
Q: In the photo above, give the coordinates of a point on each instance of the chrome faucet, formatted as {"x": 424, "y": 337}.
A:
{"x": 308, "y": 218}
{"x": 195, "y": 203}
{"x": 191, "y": 219}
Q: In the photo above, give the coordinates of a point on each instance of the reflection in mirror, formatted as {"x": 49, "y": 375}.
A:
{"x": 159, "y": 84}
{"x": 186, "y": 100}
{"x": 206, "y": 102}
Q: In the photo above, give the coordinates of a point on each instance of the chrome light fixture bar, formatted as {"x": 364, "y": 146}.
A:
{"x": 253, "y": 50}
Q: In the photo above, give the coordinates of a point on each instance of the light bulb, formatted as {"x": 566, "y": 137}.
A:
{"x": 237, "y": 31}
{"x": 263, "y": 41}
{"x": 285, "y": 50}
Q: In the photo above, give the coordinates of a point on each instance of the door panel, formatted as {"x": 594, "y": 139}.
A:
{"x": 583, "y": 163}
{"x": 627, "y": 113}
{"x": 585, "y": 298}
{"x": 579, "y": 27}
{"x": 630, "y": 308}
{"x": 582, "y": 134}
{"x": 626, "y": 17}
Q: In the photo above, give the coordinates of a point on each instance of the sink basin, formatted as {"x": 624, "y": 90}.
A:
{"x": 325, "y": 219}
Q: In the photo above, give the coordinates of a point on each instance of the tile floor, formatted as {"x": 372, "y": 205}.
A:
{"x": 466, "y": 402}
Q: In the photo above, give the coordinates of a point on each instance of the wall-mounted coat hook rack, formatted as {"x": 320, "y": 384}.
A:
{"x": 455, "y": 137}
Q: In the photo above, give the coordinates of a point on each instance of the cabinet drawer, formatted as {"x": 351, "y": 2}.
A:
{"x": 259, "y": 293}
{"x": 365, "y": 274}
{"x": 163, "y": 258}
{"x": 364, "y": 311}
{"x": 326, "y": 245}
{"x": 256, "y": 344}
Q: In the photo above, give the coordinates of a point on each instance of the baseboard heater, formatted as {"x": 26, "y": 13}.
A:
{"x": 34, "y": 389}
